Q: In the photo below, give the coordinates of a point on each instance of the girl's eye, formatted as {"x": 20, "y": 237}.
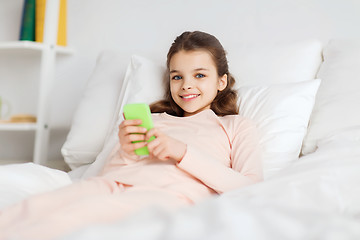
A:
{"x": 176, "y": 77}
{"x": 199, "y": 75}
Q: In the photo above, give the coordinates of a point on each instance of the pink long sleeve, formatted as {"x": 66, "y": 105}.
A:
{"x": 223, "y": 153}
{"x": 246, "y": 165}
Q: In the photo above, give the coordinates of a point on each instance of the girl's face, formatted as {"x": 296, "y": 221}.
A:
{"x": 194, "y": 81}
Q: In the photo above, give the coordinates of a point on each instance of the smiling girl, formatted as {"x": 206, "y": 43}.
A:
{"x": 202, "y": 147}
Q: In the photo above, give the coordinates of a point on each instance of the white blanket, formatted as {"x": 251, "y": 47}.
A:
{"x": 18, "y": 181}
{"x": 315, "y": 198}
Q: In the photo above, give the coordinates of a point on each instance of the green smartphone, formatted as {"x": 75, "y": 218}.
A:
{"x": 140, "y": 111}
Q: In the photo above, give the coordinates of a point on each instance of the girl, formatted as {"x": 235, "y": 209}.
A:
{"x": 202, "y": 147}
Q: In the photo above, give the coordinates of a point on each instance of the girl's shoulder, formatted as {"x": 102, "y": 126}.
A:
{"x": 235, "y": 123}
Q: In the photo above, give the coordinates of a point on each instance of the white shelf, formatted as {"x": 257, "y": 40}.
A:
{"x": 17, "y": 126}
{"x": 33, "y": 46}
{"x": 47, "y": 51}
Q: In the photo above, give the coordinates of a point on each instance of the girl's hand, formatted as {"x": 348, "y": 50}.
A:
{"x": 164, "y": 147}
{"x": 127, "y": 128}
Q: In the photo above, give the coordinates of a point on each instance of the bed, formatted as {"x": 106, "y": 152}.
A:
{"x": 303, "y": 97}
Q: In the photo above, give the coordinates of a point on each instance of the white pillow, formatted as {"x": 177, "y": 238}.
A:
{"x": 275, "y": 108}
{"x": 281, "y": 113}
{"x": 95, "y": 112}
{"x": 145, "y": 79}
{"x": 336, "y": 108}
{"x": 143, "y": 82}
{"x": 270, "y": 63}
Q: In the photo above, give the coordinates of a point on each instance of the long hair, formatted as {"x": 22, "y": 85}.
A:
{"x": 225, "y": 103}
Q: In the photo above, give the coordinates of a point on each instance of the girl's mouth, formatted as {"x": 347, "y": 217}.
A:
{"x": 189, "y": 97}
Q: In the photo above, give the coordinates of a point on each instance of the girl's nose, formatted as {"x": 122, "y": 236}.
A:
{"x": 187, "y": 85}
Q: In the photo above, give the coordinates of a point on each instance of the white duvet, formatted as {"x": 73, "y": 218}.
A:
{"x": 318, "y": 197}
{"x": 18, "y": 181}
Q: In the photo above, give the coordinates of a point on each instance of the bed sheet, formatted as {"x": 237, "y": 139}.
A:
{"x": 315, "y": 198}
{"x": 18, "y": 181}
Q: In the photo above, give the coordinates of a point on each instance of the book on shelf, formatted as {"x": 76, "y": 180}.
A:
{"x": 27, "y": 29}
{"x": 33, "y": 18}
{"x": 62, "y": 26}
{"x": 62, "y": 23}
{"x": 19, "y": 118}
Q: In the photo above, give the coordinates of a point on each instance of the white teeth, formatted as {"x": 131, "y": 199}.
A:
{"x": 190, "y": 96}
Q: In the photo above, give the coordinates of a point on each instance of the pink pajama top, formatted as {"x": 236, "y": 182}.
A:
{"x": 223, "y": 153}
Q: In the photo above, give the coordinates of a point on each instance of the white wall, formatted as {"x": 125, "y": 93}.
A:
{"x": 148, "y": 27}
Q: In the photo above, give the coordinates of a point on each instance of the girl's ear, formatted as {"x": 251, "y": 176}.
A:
{"x": 222, "y": 82}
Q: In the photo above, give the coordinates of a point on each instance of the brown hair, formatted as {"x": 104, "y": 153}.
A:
{"x": 225, "y": 103}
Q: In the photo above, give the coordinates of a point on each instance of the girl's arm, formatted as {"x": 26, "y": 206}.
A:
{"x": 246, "y": 165}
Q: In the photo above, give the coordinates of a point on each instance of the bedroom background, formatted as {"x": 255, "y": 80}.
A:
{"x": 147, "y": 28}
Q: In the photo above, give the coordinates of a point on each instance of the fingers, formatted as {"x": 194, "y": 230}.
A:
{"x": 131, "y": 126}
{"x": 130, "y": 148}
{"x": 129, "y": 137}
{"x": 131, "y": 122}
{"x": 156, "y": 143}
{"x": 127, "y": 128}
{"x": 164, "y": 147}
{"x": 129, "y": 132}
{"x": 158, "y": 147}
{"x": 153, "y": 132}
{"x": 133, "y": 129}
{"x": 153, "y": 145}
{"x": 160, "y": 152}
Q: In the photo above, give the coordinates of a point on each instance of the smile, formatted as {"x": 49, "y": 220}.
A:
{"x": 190, "y": 97}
